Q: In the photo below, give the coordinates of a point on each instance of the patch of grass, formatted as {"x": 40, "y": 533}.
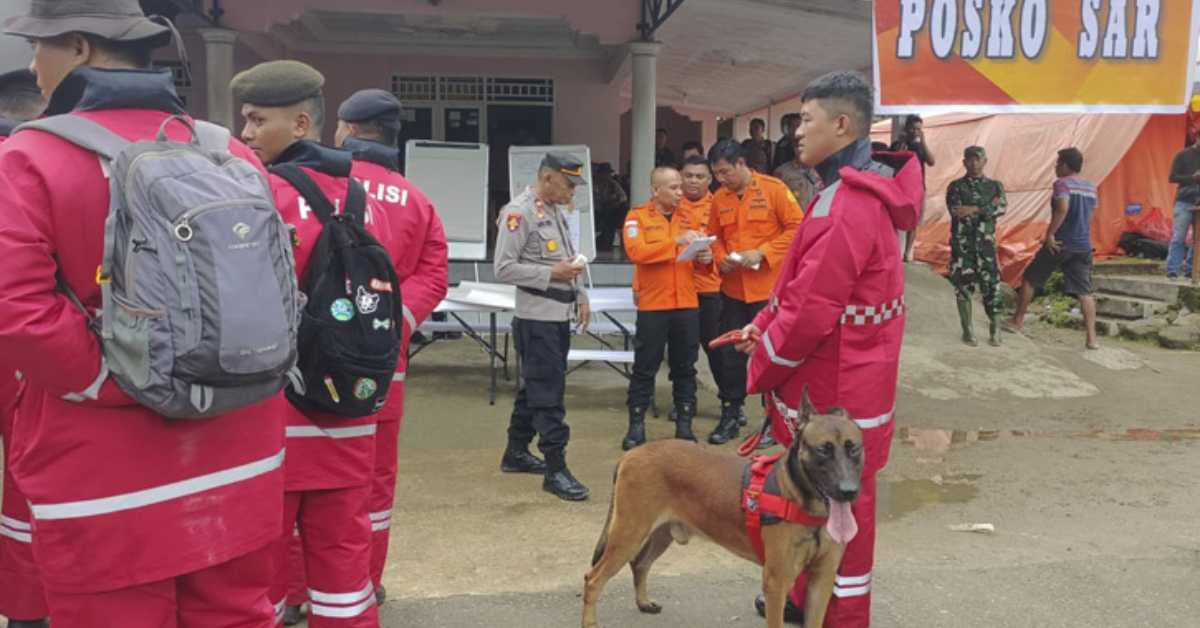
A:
{"x": 1054, "y": 285}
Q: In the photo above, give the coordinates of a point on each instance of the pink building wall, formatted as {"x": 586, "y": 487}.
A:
{"x": 612, "y": 21}
{"x": 586, "y": 109}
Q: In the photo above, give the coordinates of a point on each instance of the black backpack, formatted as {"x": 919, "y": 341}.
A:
{"x": 349, "y": 338}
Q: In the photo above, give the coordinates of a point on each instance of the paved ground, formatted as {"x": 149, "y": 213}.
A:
{"x": 1085, "y": 464}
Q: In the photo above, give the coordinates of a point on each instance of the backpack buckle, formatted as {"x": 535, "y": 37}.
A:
{"x": 101, "y": 278}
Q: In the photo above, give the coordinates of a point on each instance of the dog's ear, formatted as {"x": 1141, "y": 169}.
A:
{"x": 839, "y": 412}
{"x": 806, "y": 407}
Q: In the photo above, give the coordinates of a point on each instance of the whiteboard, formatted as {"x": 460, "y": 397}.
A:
{"x": 455, "y": 177}
{"x": 523, "y": 163}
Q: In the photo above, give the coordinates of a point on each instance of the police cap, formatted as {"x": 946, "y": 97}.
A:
{"x": 974, "y": 151}
{"x": 371, "y": 105}
{"x": 566, "y": 164}
{"x": 277, "y": 84}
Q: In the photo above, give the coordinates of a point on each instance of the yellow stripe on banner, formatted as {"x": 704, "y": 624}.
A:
{"x": 1026, "y": 82}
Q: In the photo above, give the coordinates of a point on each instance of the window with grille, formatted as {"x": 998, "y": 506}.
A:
{"x": 527, "y": 91}
{"x": 473, "y": 89}
{"x": 415, "y": 88}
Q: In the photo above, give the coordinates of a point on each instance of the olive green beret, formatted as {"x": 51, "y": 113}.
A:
{"x": 277, "y": 84}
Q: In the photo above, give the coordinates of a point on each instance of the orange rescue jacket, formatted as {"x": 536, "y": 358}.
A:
{"x": 708, "y": 276}
{"x": 661, "y": 282}
{"x": 764, "y": 218}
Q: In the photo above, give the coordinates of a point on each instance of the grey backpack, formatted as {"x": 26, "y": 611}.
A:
{"x": 200, "y": 303}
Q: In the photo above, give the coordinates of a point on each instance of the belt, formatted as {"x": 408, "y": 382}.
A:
{"x": 554, "y": 294}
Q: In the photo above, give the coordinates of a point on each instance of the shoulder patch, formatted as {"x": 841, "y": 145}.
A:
{"x": 513, "y": 222}
{"x": 631, "y": 229}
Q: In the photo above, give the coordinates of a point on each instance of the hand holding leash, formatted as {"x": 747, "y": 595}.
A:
{"x": 744, "y": 339}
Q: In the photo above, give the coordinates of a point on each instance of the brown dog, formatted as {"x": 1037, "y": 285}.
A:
{"x": 669, "y": 490}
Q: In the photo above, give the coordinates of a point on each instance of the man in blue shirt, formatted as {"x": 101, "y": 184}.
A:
{"x": 1068, "y": 244}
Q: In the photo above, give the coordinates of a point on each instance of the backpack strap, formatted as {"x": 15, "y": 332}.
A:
{"x": 212, "y": 137}
{"x": 356, "y": 201}
{"x": 81, "y": 132}
{"x": 356, "y": 197}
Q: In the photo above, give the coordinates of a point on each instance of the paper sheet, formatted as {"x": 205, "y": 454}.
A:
{"x": 697, "y": 245}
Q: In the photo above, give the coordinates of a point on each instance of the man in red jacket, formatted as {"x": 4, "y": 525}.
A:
{"x": 21, "y": 597}
{"x": 330, "y": 459}
{"x": 835, "y": 318}
{"x": 137, "y": 521}
{"x": 368, "y": 126}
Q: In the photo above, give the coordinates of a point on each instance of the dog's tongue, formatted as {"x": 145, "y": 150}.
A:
{"x": 841, "y": 525}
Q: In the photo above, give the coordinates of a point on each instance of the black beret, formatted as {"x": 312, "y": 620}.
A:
{"x": 19, "y": 81}
{"x": 371, "y": 105}
{"x": 277, "y": 84}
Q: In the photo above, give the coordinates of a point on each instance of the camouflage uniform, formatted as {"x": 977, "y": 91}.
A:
{"x": 973, "y": 247}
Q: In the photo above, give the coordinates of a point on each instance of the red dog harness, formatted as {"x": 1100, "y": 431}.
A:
{"x": 757, "y": 503}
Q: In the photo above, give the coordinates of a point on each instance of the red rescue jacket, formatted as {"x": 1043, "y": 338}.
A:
{"x": 419, "y": 250}
{"x": 120, "y": 496}
{"x": 835, "y": 319}
{"x": 325, "y": 451}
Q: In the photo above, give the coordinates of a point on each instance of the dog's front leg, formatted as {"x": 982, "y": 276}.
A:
{"x": 821, "y": 577}
{"x": 779, "y": 574}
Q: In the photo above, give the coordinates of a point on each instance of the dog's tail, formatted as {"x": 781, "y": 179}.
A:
{"x": 603, "y": 542}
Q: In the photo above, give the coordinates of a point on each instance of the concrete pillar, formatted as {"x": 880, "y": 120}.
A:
{"x": 644, "y": 108}
{"x": 218, "y": 71}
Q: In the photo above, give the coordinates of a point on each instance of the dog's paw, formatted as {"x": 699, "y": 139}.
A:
{"x": 651, "y": 608}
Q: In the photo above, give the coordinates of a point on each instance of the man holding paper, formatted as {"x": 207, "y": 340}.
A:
{"x": 754, "y": 217}
{"x": 665, "y": 243}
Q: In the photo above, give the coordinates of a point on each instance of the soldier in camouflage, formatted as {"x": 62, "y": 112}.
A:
{"x": 975, "y": 202}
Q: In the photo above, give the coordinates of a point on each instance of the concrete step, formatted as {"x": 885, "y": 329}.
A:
{"x": 1143, "y": 287}
{"x": 1128, "y": 308}
{"x": 1128, "y": 266}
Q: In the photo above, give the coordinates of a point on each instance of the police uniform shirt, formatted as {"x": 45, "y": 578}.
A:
{"x": 532, "y": 238}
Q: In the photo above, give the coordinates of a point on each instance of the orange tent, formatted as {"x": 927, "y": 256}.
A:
{"x": 1128, "y": 156}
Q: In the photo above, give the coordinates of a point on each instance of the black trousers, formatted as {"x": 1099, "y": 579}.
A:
{"x": 680, "y": 329}
{"x": 539, "y": 407}
{"x": 710, "y": 328}
{"x": 735, "y": 314}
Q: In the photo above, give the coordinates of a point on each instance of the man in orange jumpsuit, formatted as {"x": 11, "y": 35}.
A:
{"x": 754, "y": 217}
{"x": 655, "y": 236}
{"x": 697, "y": 201}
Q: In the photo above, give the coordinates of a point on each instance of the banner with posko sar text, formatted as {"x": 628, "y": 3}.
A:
{"x": 1127, "y": 56}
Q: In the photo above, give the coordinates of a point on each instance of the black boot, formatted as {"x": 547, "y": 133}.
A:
{"x": 727, "y": 428}
{"x": 28, "y": 623}
{"x": 767, "y": 441}
{"x": 684, "y": 414}
{"x": 636, "y": 435}
{"x": 559, "y": 481}
{"x": 791, "y": 614}
{"x": 380, "y": 595}
{"x": 742, "y": 420}
{"x": 517, "y": 459}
